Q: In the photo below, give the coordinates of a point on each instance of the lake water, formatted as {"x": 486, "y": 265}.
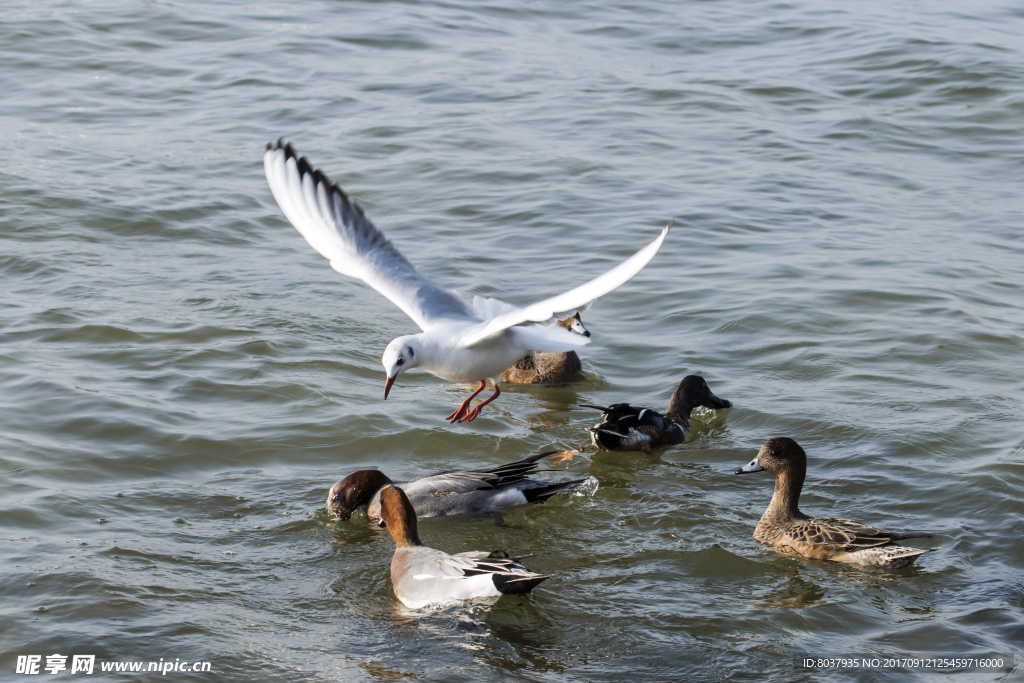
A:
{"x": 183, "y": 377}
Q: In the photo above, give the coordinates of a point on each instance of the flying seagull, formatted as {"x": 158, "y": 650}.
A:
{"x": 459, "y": 342}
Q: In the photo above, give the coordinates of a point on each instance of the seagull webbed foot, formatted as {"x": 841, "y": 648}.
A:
{"x": 460, "y": 413}
{"x": 475, "y": 412}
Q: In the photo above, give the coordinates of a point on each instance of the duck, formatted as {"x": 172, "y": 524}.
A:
{"x": 423, "y": 576}
{"x": 538, "y": 367}
{"x": 452, "y": 492}
{"x": 624, "y": 427}
{"x": 783, "y": 526}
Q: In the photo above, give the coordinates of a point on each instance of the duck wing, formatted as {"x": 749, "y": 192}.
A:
{"x": 622, "y": 417}
{"x": 507, "y": 573}
{"x": 615, "y": 411}
{"x": 845, "y": 534}
{"x": 338, "y": 229}
{"x": 423, "y": 576}
{"x": 463, "y": 481}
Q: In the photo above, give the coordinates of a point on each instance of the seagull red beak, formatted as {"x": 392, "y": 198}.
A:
{"x": 387, "y": 386}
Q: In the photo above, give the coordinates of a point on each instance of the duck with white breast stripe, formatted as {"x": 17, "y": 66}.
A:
{"x": 423, "y": 576}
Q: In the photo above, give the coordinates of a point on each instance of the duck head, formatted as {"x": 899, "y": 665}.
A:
{"x": 779, "y": 455}
{"x": 355, "y": 491}
{"x": 399, "y": 356}
{"x": 574, "y": 324}
{"x": 693, "y": 391}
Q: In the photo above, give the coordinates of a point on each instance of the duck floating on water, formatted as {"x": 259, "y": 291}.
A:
{"x": 627, "y": 428}
{"x": 783, "y": 526}
{"x": 423, "y": 576}
{"x": 453, "y": 492}
{"x": 538, "y": 367}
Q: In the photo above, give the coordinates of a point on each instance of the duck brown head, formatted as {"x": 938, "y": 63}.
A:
{"x": 355, "y": 491}
{"x": 784, "y": 459}
{"x": 399, "y": 516}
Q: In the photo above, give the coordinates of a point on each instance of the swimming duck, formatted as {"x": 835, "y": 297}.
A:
{"x": 783, "y": 526}
{"x": 453, "y": 492}
{"x": 538, "y": 367}
{"x": 423, "y": 576}
{"x": 625, "y": 428}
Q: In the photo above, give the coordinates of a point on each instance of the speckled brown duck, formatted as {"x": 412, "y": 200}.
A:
{"x": 538, "y": 367}
{"x": 783, "y": 526}
{"x": 627, "y": 428}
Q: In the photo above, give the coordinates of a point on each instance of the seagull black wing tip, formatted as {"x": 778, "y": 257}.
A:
{"x": 303, "y": 164}
{"x": 321, "y": 177}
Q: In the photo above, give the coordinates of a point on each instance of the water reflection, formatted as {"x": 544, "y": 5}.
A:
{"x": 795, "y": 592}
{"x": 521, "y": 637}
{"x": 379, "y": 672}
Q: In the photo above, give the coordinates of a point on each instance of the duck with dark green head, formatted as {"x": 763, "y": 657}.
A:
{"x": 624, "y": 427}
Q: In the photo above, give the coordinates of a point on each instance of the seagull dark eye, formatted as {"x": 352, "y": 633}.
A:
{"x": 401, "y": 361}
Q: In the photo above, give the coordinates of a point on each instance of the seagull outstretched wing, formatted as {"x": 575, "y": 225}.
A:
{"x": 336, "y": 227}
{"x": 571, "y": 301}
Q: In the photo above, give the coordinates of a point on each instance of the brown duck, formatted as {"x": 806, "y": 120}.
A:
{"x": 538, "y": 367}
{"x": 783, "y": 526}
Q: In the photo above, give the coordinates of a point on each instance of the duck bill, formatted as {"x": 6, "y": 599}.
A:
{"x": 716, "y": 403}
{"x": 338, "y": 510}
{"x": 752, "y": 466}
{"x": 387, "y": 386}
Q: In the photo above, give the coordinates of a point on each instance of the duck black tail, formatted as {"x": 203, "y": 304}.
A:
{"x": 606, "y": 438}
{"x": 541, "y": 492}
{"x": 515, "y": 584}
{"x": 514, "y": 471}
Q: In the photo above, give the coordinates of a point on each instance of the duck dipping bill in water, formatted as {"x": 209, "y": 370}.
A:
{"x": 783, "y": 526}
{"x": 423, "y": 576}
{"x": 459, "y": 342}
{"x": 538, "y": 367}
{"x": 627, "y": 428}
{"x": 453, "y": 492}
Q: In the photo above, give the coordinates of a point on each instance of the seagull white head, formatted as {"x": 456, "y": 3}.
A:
{"x": 398, "y": 357}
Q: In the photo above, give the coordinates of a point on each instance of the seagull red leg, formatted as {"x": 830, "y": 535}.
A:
{"x": 472, "y": 415}
{"x": 463, "y": 409}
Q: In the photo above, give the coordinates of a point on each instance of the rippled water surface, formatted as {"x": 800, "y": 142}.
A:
{"x": 183, "y": 377}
